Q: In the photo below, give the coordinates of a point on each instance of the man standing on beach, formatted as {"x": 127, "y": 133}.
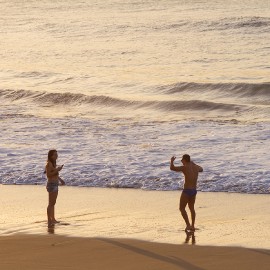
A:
{"x": 188, "y": 196}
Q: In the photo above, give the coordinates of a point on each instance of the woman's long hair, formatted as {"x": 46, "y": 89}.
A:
{"x": 50, "y": 154}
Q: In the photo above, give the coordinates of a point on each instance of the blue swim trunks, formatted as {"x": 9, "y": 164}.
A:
{"x": 52, "y": 187}
{"x": 190, "y": 191}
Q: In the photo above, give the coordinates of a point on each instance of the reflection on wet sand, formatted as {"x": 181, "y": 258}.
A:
{"x": 190, "y": 235}
{"x": 51, "y": 230}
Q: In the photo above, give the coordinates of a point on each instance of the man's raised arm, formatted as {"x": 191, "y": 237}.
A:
{"x": 175, "y": 168}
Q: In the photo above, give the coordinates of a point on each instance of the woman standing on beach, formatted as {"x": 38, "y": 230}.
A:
{"x": 52, "y": 172}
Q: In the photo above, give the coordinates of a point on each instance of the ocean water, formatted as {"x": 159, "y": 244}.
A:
{"x": 118, "y": 87}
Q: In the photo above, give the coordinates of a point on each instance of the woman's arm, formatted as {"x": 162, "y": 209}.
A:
{"x": 61, "y": 181}
{"x": 51, "y": 171}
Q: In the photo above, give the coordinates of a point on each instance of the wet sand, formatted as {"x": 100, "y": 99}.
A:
{"x": 131, "y": 229}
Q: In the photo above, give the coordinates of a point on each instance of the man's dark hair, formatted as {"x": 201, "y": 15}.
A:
{"x": 186, "y": 157}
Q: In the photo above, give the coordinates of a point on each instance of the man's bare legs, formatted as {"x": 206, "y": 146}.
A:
{"x": 184, "y": 200}
{"x": 191, "y": 204}
{"x": 50, "y": 208}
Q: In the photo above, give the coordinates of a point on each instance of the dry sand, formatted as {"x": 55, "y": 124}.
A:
{"x": 99, "y": 226}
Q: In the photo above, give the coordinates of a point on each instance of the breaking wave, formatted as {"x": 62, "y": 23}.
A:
{"x": 53, "y": 99}
{"x": 228, "y": 23}
{"x": 234, "y": 90}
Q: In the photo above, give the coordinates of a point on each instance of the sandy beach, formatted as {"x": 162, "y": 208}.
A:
{"x": 118, "y": 88}
{"x": 58, "y": 252}
{"x": 132, "y": 229}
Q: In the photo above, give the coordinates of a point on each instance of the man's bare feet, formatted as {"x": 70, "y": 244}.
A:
{"x": 55, "y": 221}
{"x": 50, "y": 225}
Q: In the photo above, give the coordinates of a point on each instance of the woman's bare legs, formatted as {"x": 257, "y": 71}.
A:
{"x": 50, "y": 208}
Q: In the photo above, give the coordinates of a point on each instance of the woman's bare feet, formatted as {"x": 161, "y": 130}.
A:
{"x": 189, "y": 229}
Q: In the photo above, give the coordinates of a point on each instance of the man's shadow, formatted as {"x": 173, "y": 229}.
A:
{"x": 190, "y": 235}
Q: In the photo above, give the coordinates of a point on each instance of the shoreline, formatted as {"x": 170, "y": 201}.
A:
{"x": 133, "y": 188}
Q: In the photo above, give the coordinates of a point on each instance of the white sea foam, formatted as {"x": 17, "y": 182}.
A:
{"x": 127, "y": 155}
{"x": 118, "y": 88}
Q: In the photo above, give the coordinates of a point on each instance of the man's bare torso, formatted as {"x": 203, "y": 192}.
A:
{"x": 191, "y": 172}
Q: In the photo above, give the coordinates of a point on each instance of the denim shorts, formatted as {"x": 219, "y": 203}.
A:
{"x": 52, "y": 187}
